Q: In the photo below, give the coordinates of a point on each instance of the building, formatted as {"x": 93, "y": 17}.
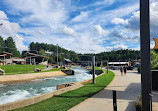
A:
{"x": 118, "y": 63}
{"x": 68, "y": 62}
{"x": 84, "y": 63}
{"x": 16, "y": 60}
{"x": 5, "y": 58}
{"x": 39, "y": 59}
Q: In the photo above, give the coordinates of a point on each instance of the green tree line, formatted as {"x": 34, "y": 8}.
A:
{"x": 119, "y": 55}
{"x": 41, "y": 48}
{"x": 8, "y": 45}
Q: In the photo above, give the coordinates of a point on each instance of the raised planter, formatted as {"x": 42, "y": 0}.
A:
{"x": 138, "y": 108}
{"x": 154, "y": 80}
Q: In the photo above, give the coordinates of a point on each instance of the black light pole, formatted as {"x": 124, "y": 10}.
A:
{"x": 107, "y": 66}
{"x": 93, "y": 68}
{"x": 145, "y": 55}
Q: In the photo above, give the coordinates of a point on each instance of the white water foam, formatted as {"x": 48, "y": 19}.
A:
{"x": 14, "y": 92}
{"x": 38, "y": 80}
{"x": 11, "y": 96}
{"x": 2, "y": 85}
{"x": 48, "y": 89}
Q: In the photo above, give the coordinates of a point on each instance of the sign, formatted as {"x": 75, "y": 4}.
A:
{"x": 156, "y": 43}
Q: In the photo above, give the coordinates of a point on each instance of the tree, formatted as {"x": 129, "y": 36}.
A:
{"x": 50, "y": 60}
{"x": 2, "y": 45}
{"x": 33, "y": 46}
{"x": 41, "y": 52}
{"x": 10, "y": 44}
{"x": 154, "y": 60}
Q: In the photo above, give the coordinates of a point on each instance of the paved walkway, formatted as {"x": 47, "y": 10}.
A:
{"x": 128, "y": 89}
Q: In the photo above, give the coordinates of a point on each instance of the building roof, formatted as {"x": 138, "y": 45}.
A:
{"x": 110, "y": 63}
{"x": 68, "y": 60}
{"x": 7, "y": 53}
{"x": 19, "y": 60}
{"x": 3, "y": 55}
{"x": 36, "y": 55}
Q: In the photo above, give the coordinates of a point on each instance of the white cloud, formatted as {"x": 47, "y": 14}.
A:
{"x": 69, "y": 31}
{"x": 50, "y": 21}
{"x": 11, "y": 29}
{"x": 3, "y": 16}
{"x": 81, "y": 17}
{"x": 100, "y": 30}
{"x": 119, "y": 21}
{"x": 116, "y": 47}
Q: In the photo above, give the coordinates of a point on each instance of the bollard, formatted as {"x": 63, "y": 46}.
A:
{"x": 114, "y": 101}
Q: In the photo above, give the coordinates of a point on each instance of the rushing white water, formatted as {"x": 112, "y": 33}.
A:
{"x": 23, "y": 90}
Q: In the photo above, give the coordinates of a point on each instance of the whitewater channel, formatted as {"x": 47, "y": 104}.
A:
{"x": 22, "y": 90}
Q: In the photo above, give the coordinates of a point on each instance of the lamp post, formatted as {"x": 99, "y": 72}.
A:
{"x": 57, "y": 54}
{"x": 145, "y": 55}
{"x": 93, "y": 68}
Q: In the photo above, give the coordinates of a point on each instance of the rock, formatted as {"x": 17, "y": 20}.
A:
{"x": 37, "y": 70}
{"x": 61, "y": 86}
{"x": 2, "y": 72}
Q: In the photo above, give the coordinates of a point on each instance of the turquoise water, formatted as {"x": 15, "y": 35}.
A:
{"x": 18, "y": 91}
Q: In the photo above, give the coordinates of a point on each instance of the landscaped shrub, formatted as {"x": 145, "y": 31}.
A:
{"x": 138, "y": 104}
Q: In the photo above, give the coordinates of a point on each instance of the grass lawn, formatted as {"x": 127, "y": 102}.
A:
{"x": 19, "y": 69}
{"x": 67, "y": 100}
{"x": 96, "y": 68}
{"x": 57, "y": 69}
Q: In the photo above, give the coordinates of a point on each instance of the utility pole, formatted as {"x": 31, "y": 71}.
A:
{"x": 57, "y": 54}
{"x": 101, "y": 65}
{"x": 93, "y": 70}
{"x": 145, "y": 55}
{"x": 34, "y": 65}
{"x": 107, "y": 66}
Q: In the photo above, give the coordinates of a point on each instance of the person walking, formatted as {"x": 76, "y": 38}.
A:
{"x": 125, "y": 69}
{"x": 121, "y": 70}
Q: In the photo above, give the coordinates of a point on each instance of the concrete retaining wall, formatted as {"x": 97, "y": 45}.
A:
{"x": 68, "y": 72}
{"x": 32, "y": 100}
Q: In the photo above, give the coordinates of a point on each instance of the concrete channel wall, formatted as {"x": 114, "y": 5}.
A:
{"x": 68, "y": 72}
{"x": 32, "y": 100}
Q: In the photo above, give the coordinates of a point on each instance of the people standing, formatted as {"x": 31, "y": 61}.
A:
{"x": 125, "y": 69}
{"x": 121, "y": 70}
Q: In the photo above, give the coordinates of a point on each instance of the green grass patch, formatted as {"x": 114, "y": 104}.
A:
{"x": 20, "y": 69}
{"x": 67, "y": 100}
{"x": 57, "y": 69}
{"x": 96, "y": 68}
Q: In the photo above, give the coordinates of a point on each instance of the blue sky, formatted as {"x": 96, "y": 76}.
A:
{"x": 84, "y": 26}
